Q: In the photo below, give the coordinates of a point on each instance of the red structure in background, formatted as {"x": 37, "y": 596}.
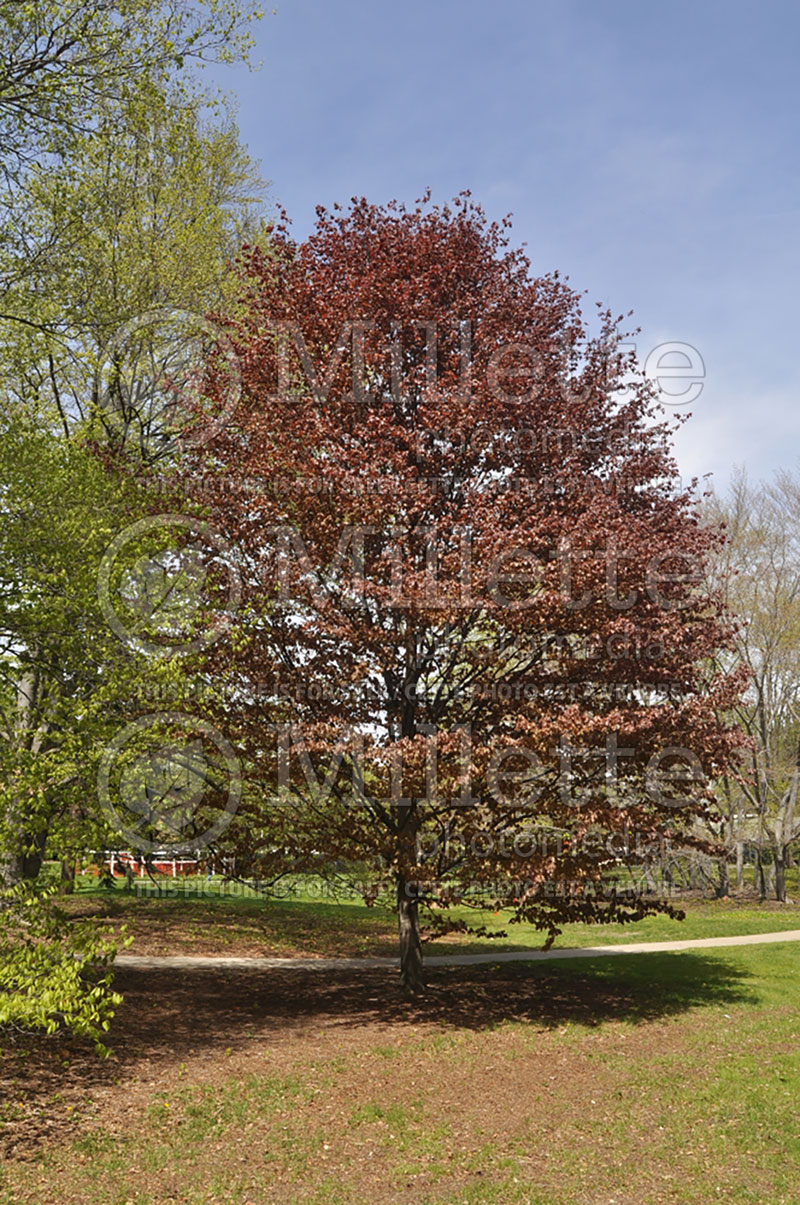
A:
{"x": 118, "y": 862}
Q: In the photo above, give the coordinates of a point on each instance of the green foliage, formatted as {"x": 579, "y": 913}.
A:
{"x": 68, "y": 683}
{"x": 139, "y": 222}
{"x": 53, "y": 971}
{"x": 124, "y": 191}
{"x": 61, "y": 60}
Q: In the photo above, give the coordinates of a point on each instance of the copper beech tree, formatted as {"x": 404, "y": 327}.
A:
{"x": 474, "y": 656}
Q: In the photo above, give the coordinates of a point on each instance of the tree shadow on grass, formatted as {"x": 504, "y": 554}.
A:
{"x": 176, "y": 1011}
{"x": 169, "y": 1016}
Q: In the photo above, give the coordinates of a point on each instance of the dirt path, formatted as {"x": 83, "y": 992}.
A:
{"x": 176, "y": 962}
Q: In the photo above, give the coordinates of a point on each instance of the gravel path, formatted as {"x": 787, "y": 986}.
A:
{"x": 195, "y": 962}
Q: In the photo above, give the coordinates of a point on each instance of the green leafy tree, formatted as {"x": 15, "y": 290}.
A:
{"x": 63, "y": 62}
{"x": 126, "y": 190}
{"x": 118, "y": 255}
{"x": 65, "y": 683}
{"x": 101, "y": 619}
{"x": 67, "y": 679}
{"x": 119, "y": 258}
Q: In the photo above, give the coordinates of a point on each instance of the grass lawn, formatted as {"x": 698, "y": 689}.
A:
{"x": 640, "y": 1079}
{"x": 250, "y": 926}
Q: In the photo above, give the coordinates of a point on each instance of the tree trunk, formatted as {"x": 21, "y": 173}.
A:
{"x": 760, "y": 879}
{"x": 410, "y": 944}
{"x": 694, "y": 877}
{"x": 780, "y": 875}
{"x": 739, "y": 865}
{"x": 22, "y": 860}
{"x": 724, "y": 886}
{"x": 67, "y": 876}
{"x": 18, "y": 867}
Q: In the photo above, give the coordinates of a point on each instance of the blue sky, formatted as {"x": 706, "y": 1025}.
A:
{"x": 648, "y": 151}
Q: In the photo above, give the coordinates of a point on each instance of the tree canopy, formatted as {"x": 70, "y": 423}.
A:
{"x": 62, "y": 63}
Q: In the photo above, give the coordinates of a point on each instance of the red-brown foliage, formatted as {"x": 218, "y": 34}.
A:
{"x": 471, "y": 575}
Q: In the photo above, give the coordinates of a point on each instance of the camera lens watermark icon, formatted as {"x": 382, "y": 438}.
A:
{"x": 169, "y": 583}
{"x": 169, "y": 782}
{"x": 170, "y": 380}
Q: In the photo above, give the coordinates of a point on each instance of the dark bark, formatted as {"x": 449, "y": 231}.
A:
{"x": 780, "y": 876}
{"x": 67, "y": 876}
{"x": 22, "y": 859}
{"x": 739, "y": 865}
{"x": 23, "y": 864}
{"x": 411, "y": 976}
{"x": 761, "y": 881}
{"x": 724, "y": 885}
